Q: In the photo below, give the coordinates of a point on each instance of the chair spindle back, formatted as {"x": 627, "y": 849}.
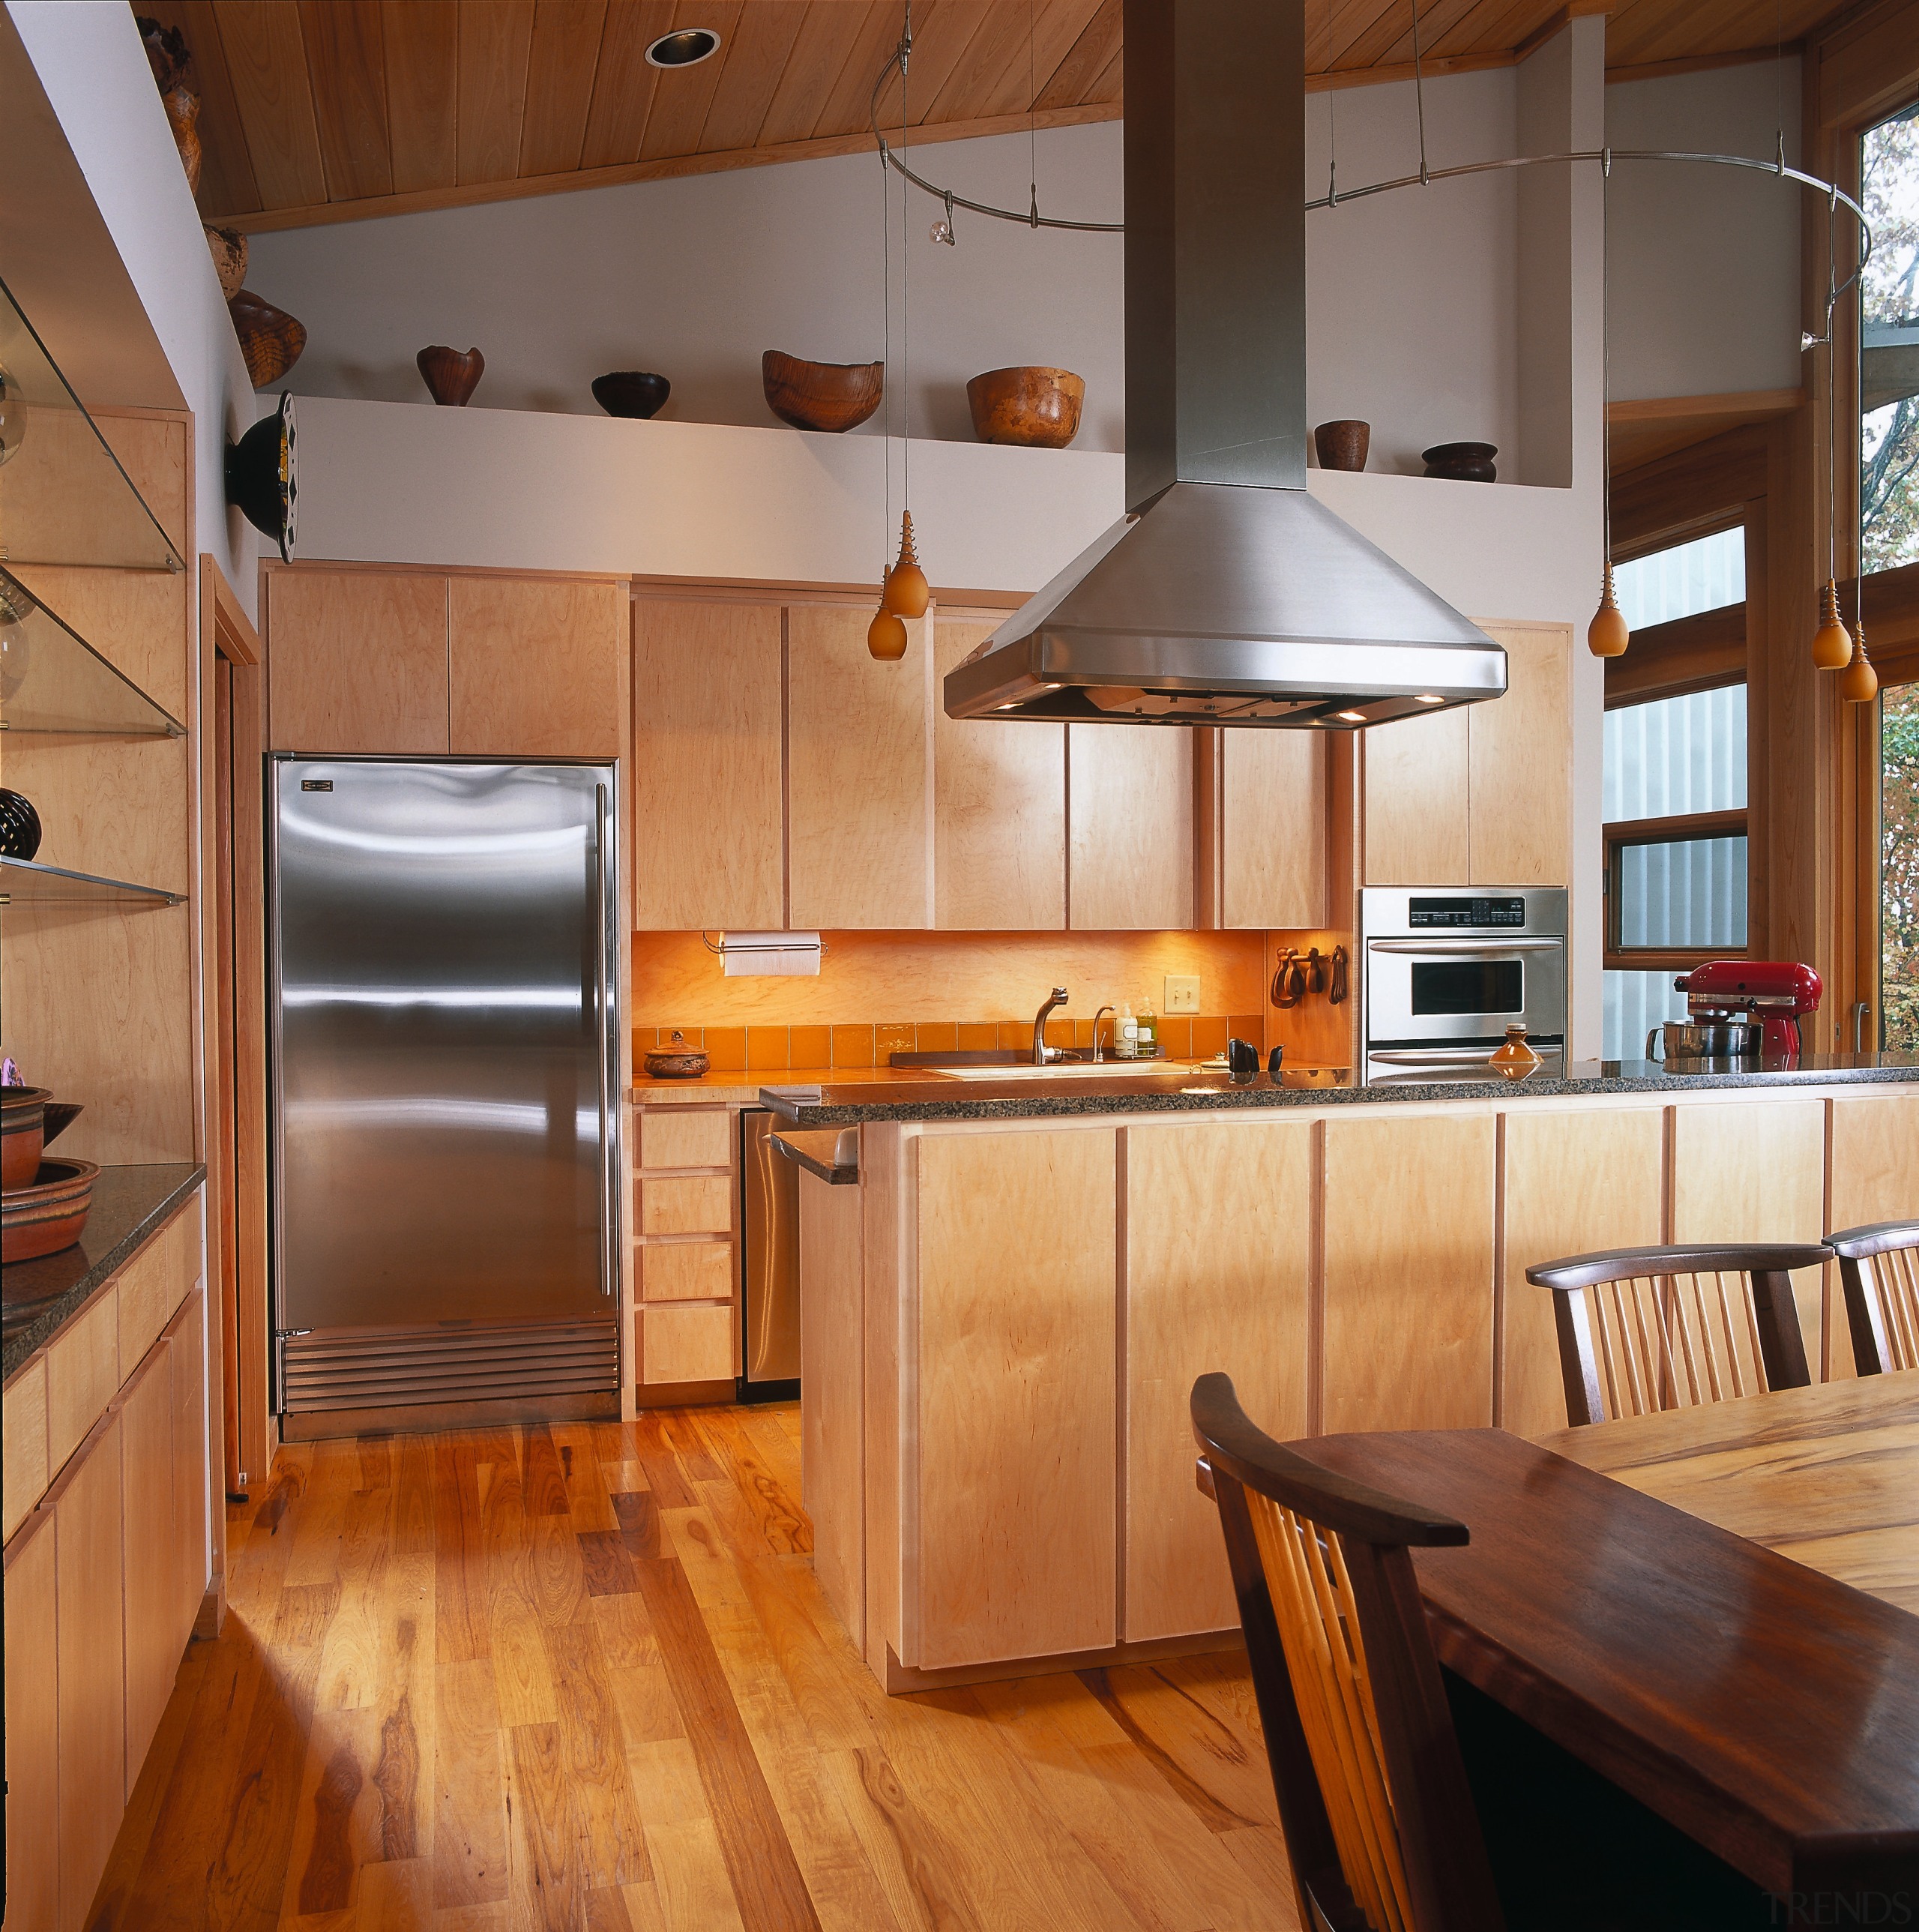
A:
{"x": 1879, "y": 1268}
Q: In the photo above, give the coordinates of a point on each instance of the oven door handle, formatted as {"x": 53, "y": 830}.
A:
{"x": 1419, "y": 946}
{"x": 1447, "y": 1056}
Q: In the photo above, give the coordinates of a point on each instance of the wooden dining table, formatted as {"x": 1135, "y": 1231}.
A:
{"x": 1712, "y": 1608}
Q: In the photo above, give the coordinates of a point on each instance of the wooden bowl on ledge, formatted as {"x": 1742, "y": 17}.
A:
{"x": 50, "y": 1215}
{"x": 834, "y": 396}
{"x": 1035, "y": 408}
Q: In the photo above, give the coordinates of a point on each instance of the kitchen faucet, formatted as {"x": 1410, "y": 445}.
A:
{"x": 1042, "y": 1052}
{"x": 1095, "y": 1033}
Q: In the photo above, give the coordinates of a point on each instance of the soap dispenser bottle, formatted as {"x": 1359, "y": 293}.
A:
{"x": 1126, "y": 1043}
{"x": 1148, "y": 1032}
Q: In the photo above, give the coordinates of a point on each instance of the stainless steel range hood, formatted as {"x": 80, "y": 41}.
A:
{"x": 1226, "y": 594}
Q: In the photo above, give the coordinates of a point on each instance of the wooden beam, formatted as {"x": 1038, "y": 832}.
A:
{"x": 1691, "y": 492}
{"x": 1697, "y": 653}
{"x": 469, "y": 193}
{"x": 1892, "y": 609}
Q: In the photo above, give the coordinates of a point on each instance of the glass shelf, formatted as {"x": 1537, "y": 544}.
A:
{"x": 63, "y": 497}
{"x": 52, "y": 679}
{"x": 26, "y": 882}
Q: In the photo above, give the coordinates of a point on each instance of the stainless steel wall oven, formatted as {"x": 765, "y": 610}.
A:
{"x": 1447, "y": 969}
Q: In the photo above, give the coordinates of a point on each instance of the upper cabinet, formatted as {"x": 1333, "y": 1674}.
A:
{"x": 709, "y": 819}
{"x": 400, "y": 662}
{"x": 859, "y": 751}
{"x": 998, "y": 809}
{"x": 1481, "y": 796}
{"x": 1262, "y": 845}
{"x": 359, "y": 662}
{"x": 1130, "y": 806}
{"x": 535, "y": 667}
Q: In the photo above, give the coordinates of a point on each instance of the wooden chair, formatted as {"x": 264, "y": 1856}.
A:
{"x": 1641, "y": 1329}
{"x": 1374, "y": 1801}
{"x": 1879, "y": 1266}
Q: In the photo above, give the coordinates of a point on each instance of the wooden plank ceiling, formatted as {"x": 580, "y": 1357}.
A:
{"x": 328, "y": 110}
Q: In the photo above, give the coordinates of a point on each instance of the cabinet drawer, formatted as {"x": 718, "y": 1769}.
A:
{"x": 155, "y": 1282}
{"x": 82, "y": 1374}
{"x": 24, "y": 1451}
{"x": 686, "y": 1271}
{"x": 686, "y": 1137}
{"x": 686, "y": 1345}
{"x": 701, "y": 1206}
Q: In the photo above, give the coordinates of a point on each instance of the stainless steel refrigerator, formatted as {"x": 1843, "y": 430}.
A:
{"x": 445, "y": 1205}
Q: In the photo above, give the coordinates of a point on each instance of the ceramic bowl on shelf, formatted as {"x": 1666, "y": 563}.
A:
{"x": 30, "y": 1118}
{"x": 673, "y": 1059}
{"x": 1034, "y": 407}
{"x": 831, "y": 396}
{"x": 637, "y": 393}
{"x": 1462, "y": 462}
{"x": 1342, "y": 445}
{"x": 50, "y": 1215}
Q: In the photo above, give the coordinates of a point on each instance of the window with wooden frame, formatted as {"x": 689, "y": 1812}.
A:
{"x": 1675, "y": 794}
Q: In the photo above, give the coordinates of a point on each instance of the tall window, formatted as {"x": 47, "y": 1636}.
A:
{"x": 1889, "y": 363}
{"x": 1889, "y": 519}
{"x": 1675, "y": 806}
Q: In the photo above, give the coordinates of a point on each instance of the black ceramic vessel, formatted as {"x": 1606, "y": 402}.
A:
{"x": 19, "y": 826}
{"x": 631, "y": 392}
{"x": 1463, "y": 462}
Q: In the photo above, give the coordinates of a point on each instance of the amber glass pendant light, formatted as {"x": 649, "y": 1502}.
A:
{"x": 1859, "y": 682}
{"x": 885, "y": 636}
{"x": 906, "y": 592}
{"x": 1832, "y": 643}
{"x": 1608, "y": 634}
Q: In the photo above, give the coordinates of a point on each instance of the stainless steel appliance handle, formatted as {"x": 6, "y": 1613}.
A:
{"x": 608, "y": 1181}
{"x": 1486, "y": 945}
{"x": 1860, "y": 1009}
{"x": 1444, "y": 1056}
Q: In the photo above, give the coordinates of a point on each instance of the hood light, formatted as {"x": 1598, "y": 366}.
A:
{"x": 1351, "y": 717}
{"x": 1427, "y": 698}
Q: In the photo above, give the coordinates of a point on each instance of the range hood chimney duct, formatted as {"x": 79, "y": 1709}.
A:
{"x": 1226, "y": 594}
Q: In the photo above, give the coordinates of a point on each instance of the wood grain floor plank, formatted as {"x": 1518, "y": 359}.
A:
{"x": 690, "y": 1880}
{"x": 612, "y": 1850}
{"x": 636, "y": 1672}
{"x": 782, "y": 1523}
{"x": 1205, "y": 1760}
{"x": 469, "y": 1810}
{"x": 759, "y": 1860}
{"x": 514, "y": 1632}
{"x": 413, "y": 1495}
{"x": 459, "y": 1594}
{"x": 546, "y": 1887}
{"x": 588, "y": 1498}
{"x": 542, "y": 1480}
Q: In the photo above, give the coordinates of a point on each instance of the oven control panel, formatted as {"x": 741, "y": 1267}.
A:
{"x": 1431, "y": 913}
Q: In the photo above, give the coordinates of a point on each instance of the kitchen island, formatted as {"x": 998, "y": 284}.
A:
{"x": 1002, "y": 1320}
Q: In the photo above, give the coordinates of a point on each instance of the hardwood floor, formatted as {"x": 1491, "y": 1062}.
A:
{"x": 581, "y": 1677}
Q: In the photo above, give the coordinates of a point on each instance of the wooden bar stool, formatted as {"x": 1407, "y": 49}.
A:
{"x": 1879, "y": 1266}
{"x": 1641, "y": 1329}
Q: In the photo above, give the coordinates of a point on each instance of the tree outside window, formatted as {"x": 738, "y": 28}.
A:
{"x": 1889, "y": 302}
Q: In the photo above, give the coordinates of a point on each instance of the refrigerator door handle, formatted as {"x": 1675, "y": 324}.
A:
{"x": 602, "y": 1045}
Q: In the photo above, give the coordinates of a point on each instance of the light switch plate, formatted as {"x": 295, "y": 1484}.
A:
{"x": 1182, "y": 994}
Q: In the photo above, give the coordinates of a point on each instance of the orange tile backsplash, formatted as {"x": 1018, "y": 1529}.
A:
{"x": 767, "y": 1049}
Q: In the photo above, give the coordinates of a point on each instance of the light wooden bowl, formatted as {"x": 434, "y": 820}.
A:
{"x": 1035, "y": 407}
{"x": 831, "y": 396}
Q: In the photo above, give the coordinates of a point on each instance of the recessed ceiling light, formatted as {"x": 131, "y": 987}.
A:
{"x": 1427, "y": 698}
{"x": 685, "y": 47}
{"x": 1351, "y": 717}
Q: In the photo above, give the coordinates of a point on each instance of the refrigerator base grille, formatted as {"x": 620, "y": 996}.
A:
{"x": 443, "y": 1362}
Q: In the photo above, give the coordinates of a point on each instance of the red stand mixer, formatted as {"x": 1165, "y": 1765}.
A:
{"x": 1744, "y": 1009}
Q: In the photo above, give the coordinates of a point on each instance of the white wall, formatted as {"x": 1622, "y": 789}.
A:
{"x": 1410, "y": 297}
{"x": 1704, "y": 261}
{"x": 89, "y": 59}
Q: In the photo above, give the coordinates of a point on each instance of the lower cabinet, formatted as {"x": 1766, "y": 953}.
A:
{"x": 685, "y": 1263}
{"x": 1409, "y": 1208}
{"x": 104, "y": 1582}
{"x": 33, "y": 1730}
{"x": 1012, "y": 1550}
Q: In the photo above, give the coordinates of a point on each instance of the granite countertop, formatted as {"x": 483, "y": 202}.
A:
{"x": 912, "y": 1094}
{"x": 41, "y": 1295}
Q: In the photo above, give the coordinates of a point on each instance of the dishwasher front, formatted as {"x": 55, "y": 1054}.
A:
{"x": 769, "y": 1264}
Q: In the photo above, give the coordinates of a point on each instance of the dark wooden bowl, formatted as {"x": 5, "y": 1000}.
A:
{"x": 631, "y": 392}
{"x": 271, "y": 340}
{"x": 1343, "y": 445}
{"x": 1036, "y": 408}
{"x": 831, "y": 396}
{"x": 451, "y": 375}
{"x": 675, "y": 1061}
{"x": 1463, "y": 462}
{"x": 50, "y": 1215}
